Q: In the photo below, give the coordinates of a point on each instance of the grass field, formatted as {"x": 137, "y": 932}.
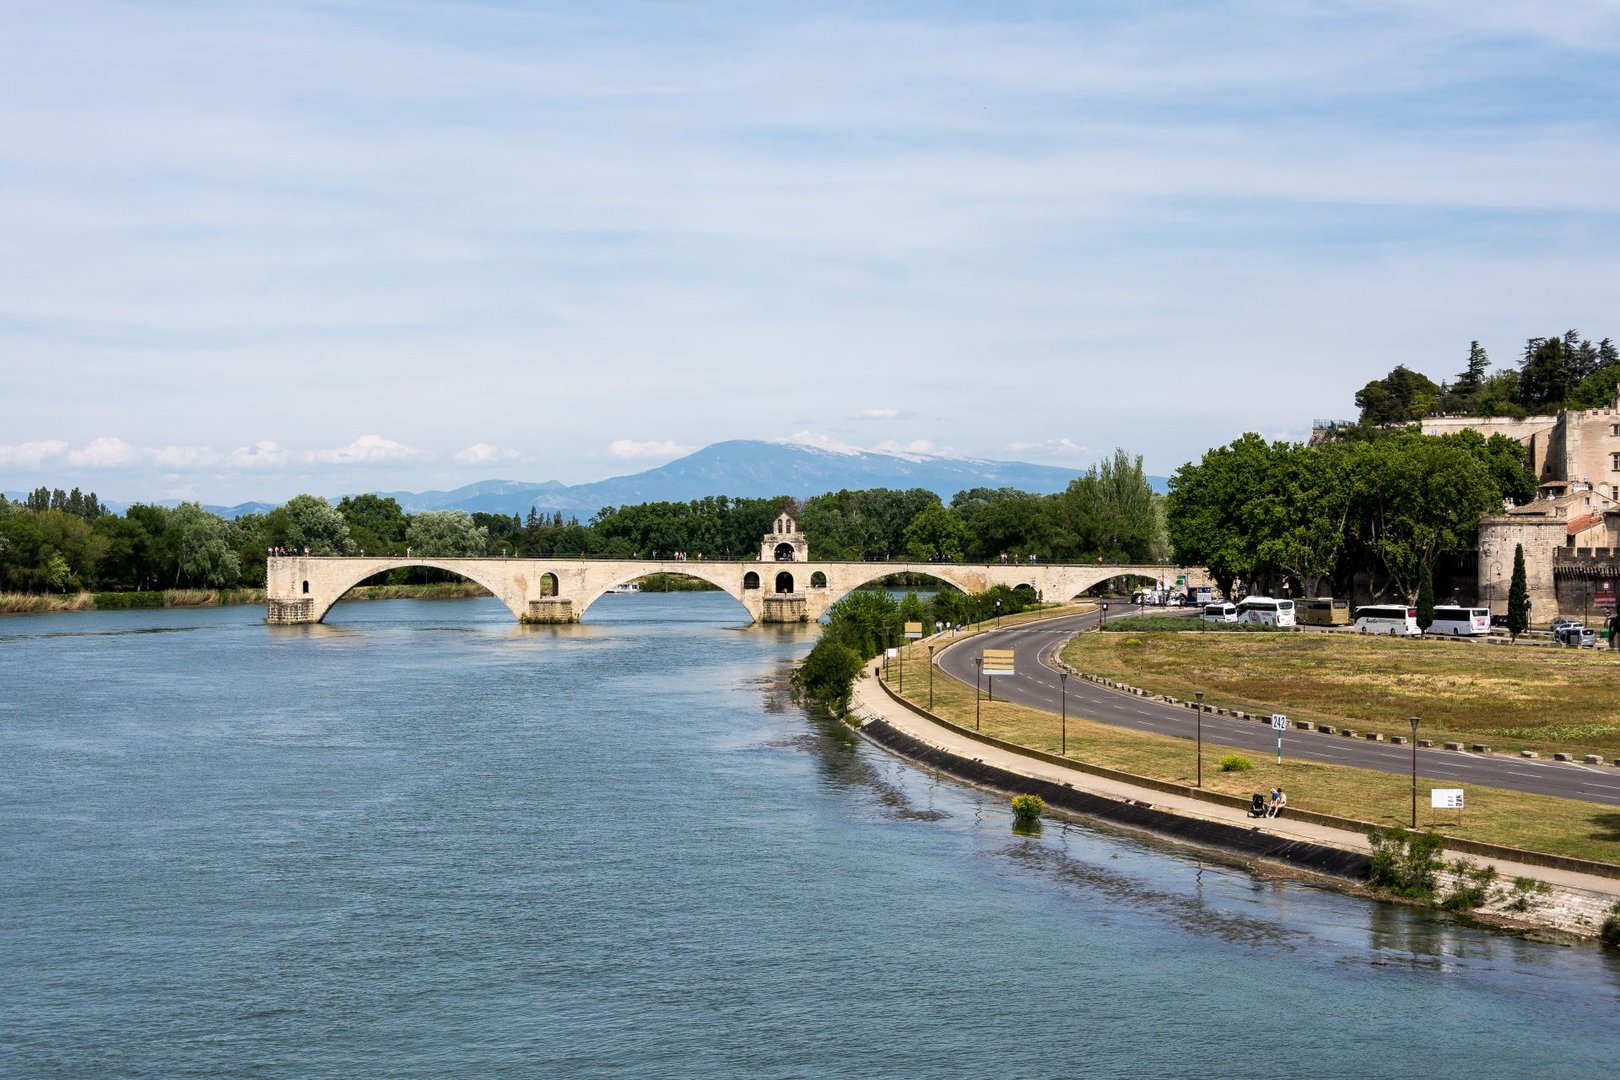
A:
{"x": 1534, "y": 822}
{"x": 1511, "y": 699}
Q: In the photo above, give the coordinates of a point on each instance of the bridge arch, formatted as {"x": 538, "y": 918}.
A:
{"x": 957, "y": 576}
{"x": 784, "y": 582}
{"x": 1127, "y": 575}
{"x": 343, "y": 575}
{"x": 721, "y": 580}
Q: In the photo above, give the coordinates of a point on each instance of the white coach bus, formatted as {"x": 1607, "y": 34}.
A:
{"x": 1461, "y": 621}
{"x": 1399, "y": 620}
{"x": 1265, "y": 611}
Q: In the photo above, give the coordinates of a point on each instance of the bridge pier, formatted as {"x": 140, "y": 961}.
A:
{"x": 549, "y": 610}
{"x": 786, "y": 608}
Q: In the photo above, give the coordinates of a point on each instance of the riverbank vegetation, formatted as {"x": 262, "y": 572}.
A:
{"x": 866, "y": 622}
{"x": 1510, "y": 699}
{"x": 61, "y": 543}
{"x": 1515, "y": 819}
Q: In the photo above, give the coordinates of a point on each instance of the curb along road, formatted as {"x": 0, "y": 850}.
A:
{"x": 1037, "y": 685}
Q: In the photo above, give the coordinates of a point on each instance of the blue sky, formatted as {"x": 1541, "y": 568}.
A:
{"x": 256, "y": 249}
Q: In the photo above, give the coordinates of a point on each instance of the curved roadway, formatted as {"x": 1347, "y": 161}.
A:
{"x": 1036, "y": 684}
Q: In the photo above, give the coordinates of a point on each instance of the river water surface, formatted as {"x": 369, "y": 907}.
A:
{"x": 420, "y": 841}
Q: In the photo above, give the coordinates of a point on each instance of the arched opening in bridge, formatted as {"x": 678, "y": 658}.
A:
{"x": 548, "y": 584}
{"x": 784, "y": 553}
{"x": 784, "y": 582}
{"x": 940, "y": 600}
{"x": 406, "y": 583}
{"x": 306, "y": 585}
{"x": 1118, "y": 585}
{"x": 818, "y": 580}
{"x": 750, "y": 580}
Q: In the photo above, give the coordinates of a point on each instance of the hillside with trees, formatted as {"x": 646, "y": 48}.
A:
{"x": 1553, "y": 373}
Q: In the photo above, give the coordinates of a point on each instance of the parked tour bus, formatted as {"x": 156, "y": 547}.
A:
{"x": 1323, "y": 611}
{"x": 1399, "y": 620}
{"x": 1461, "y": 621}
{"x": 1265, "y": 611}
{"x": 1224, "y": 612}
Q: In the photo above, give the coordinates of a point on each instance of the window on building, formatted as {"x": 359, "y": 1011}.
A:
{"x": 1614, "y": 462}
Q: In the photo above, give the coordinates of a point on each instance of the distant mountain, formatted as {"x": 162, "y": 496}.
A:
{"x": 748, "y": 469}
{"x": 741, "y": 468}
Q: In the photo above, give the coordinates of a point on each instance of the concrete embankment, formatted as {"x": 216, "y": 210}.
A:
{"x": 1235, "y": 839}
{"x": 1571, "y": 903}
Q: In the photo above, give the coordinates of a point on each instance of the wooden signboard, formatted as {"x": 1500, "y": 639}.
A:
{"x": 998, "y": 662}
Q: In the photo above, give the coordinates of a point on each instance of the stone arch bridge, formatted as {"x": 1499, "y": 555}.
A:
{"x": 302, "y": 588}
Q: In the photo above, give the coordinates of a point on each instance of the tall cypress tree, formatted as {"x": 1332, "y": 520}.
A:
{"x": 1425, "y": 600}
{"x": 1518, "y": 612}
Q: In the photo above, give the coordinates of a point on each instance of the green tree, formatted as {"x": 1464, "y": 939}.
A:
{"x": 1425, "y": 600}
{"x": 1207, "y": 510}
{"x": 1299, "y": 511}
{"x": 201, "y": 547}
{"x": 1518, "y": 610}
{"x": 445, "y": 534}
{"x": 935, "y": 534}
{"x": 1400, "y": 397}
{"x": 828, "y": 674}
{"x": 309, "y": 521}
{"x": 1006, "y": 521}
{"x": 376, "y": 522}
{"x": 1416, "y": 497}
{"x": 1112, "y": 512}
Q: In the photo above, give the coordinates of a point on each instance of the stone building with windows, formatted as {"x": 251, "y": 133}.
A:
{"x": 1571, "y": 531}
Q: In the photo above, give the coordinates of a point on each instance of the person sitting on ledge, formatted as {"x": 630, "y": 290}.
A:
{"x": 1278, "y": 801}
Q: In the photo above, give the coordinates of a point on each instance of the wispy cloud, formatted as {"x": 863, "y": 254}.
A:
{"x": 631, "y": 450}
{"x": 877, "y": 414}
{"x": 1063, "y": 449}
{"x": 484, "y": 453}
{"x": 916, "y": 447}
{"x": 367, "y": 450}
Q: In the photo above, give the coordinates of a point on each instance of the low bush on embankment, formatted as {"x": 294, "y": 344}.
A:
{"x": 1570, "y": 827}
{"x": 1508, "y": 699}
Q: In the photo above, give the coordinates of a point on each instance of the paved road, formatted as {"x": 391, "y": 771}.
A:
{"x": 1037, "y": 684}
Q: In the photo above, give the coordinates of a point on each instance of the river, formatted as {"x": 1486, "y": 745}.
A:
{"x": 420, "y": 841}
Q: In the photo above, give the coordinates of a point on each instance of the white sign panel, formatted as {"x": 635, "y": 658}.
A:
{"x": 893, "y": 652}
{"x": 1446, "y": 798}
{"x": 1279, "y": 721}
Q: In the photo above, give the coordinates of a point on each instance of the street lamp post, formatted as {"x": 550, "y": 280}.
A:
{"x": 998, "y": 614}
{"x": 930, "y": 678}
{"x": 903, "y": 645}
{"x": 1063, "y": 692}
{"x": 978, "y": 666}
{"x": 1103, "y": 619}
{"x": 1414, "y": 771}
{"x": 1200, "y": 696}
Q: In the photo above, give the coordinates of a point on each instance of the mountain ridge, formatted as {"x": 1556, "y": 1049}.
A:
{"x": 737, "y": 468}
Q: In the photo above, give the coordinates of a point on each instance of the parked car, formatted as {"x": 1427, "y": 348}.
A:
{"x": 1576, "y": 636}
{"x": 1499, "y": 620}
{"x": 1561, "y": 622}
